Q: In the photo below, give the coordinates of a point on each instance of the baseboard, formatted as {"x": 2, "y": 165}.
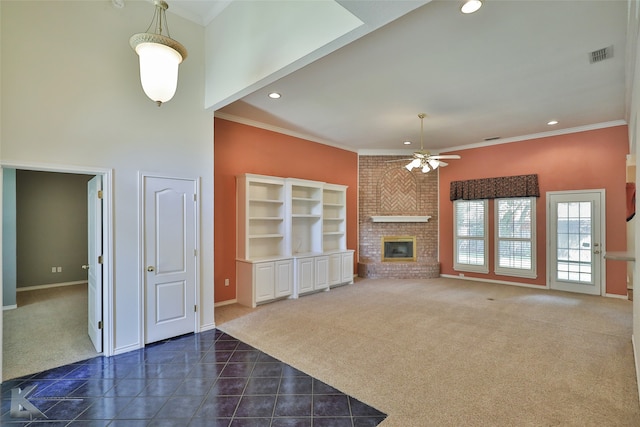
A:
{"x": 207, "y": 327}
{"x": 499, "y": 282}
{"x": 636, "y": 361}
{"x": 616, "y": 296}
{"x": 126, "y": 349}
{"x": 9, "y": 307}
{"x": 227, "y": 302}
{"x": 50, "y": 285}
{"x": 524, "y": 285}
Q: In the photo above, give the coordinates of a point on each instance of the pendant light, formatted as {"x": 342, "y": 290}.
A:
{"x": 160, "y": 57}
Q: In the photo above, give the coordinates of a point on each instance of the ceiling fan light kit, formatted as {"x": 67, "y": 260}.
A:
{"x": 423, "y": 159}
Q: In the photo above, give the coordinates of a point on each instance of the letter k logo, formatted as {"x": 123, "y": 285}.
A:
{"x": 21, "y": 407}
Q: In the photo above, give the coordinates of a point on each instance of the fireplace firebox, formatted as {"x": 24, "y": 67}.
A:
{"x": 398, "y": 248}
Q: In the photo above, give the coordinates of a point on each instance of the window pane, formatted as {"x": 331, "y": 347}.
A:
{"x": 514, "y": 218}
{"x": 514, "y": 254}
{"x": 470, "y": 252}
{"x": 515, "y": 234}
{"x": 470, "y": 218}
{"x": 574, "y": 242}
{"x": 470, "y": 235}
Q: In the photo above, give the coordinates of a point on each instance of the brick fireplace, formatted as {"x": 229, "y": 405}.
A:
{"x": 395, "y": 202}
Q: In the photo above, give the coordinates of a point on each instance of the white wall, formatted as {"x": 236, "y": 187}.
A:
{"x": 71, "y": 96}
{"x": 633, "y": 86}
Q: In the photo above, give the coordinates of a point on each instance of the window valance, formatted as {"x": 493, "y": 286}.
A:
{"x": 494, "y": 188}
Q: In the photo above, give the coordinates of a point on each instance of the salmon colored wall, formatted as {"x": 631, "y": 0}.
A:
{"x": 242, "y": 149}
{"x": 579, "y": 161}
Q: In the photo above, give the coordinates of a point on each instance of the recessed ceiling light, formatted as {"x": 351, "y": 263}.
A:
{"x": 407, "y": 143}
{"x": 471, "y": 6}
{"x": 552, "y": 122}
{"x": 274, "y": 95}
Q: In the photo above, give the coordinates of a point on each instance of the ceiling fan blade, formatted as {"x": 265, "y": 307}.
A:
{"x": 443, "y": 164}
{"x": 445, "y": 156}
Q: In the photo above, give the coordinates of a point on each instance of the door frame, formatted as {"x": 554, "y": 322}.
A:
{"x": 603, "y": 234}
{"x": 107, "y": 233}
{"x": 142, "y": 176}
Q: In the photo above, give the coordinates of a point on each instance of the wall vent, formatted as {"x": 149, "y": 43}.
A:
{"x": 601, "y": 54}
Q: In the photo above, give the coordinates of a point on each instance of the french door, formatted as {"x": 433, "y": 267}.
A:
{"x": 575, "y": 231}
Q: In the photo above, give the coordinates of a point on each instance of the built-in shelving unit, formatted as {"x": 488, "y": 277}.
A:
{"x": 306, "y": 216}
{"x": 334, "y": 218}
{"x": 291, "y": 238}
{"x": 264, "y": 269}
{"x": 261, "y": 208}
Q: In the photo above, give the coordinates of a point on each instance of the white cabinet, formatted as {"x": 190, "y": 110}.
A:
{"x": 291, "y": 238}
{"x": 311, "y": 274}
{"x": 347, "y": 267}
{"x": 263, "y": 281}
{"x": 264, "y": 269}
{"x": 340, "y": 268}
{"x": 284, "y": 278}
{"x": 304, "y": 275}
{"x": 321, "y": 264}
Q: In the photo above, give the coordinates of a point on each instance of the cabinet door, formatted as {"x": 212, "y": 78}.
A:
{"x": 305, "y": 275}
{"x": 347, "y": 267}
{"x": 283, "y": 278}
{"x": 335, "y": 269}
{"x": 264, "y": 281}
{"x": 321, "y": 272}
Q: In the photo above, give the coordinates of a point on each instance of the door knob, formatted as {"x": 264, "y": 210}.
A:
{"x": 150, "y": 268}
{"x": 596, "y": 252}
{"x": 85, "y": 267}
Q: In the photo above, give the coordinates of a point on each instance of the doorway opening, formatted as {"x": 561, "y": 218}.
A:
{"x": 576, "y": 233}
{"x": 72, "y": 293}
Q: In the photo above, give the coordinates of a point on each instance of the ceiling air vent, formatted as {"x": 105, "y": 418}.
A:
{"x": 601, "y": 54}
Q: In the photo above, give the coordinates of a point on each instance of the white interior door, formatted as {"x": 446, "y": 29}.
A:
{"x": 576, "y": 244}
{"x": 94, "y": 277}
{"x": 169, "y": 256}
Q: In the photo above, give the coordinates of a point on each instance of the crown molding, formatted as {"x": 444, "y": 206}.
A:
{"x": 277, "y": 129}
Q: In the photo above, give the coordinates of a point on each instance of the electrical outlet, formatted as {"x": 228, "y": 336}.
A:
{"x": 53, "y": 269}
{"x": 226, "y": 282}
{"x": 59, "y": 269}
{"x": 461, "y": 274}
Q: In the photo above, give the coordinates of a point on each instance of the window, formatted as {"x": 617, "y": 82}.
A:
{"x": 515, "y": 237}
{"x": 471, "y": 246}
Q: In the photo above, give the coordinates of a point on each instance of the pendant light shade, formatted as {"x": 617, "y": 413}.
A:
{"x": 160, "y": 57}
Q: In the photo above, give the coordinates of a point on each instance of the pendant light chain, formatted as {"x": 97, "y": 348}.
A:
{"x": 159, "y": 16}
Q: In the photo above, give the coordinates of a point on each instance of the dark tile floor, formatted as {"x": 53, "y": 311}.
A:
{"x": 206, "y": 379}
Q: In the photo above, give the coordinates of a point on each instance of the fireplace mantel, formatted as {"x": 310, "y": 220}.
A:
{"x": 400, "y": 218}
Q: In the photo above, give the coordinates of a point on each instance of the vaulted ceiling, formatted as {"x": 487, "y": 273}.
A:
{"x": 497, "y": 75}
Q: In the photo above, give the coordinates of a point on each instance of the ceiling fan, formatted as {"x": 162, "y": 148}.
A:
{"x": 425, "y": 160}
